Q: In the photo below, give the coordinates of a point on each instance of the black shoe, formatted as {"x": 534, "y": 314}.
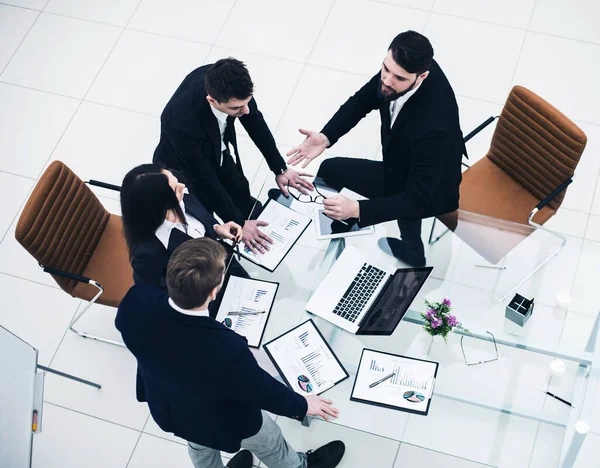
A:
{"x": 327, "y": 456}
{"x": 406, "y": 255}
{"x": 242, "y": 459}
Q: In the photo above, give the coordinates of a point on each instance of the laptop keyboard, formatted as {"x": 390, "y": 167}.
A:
{"x": 360, "y": 291}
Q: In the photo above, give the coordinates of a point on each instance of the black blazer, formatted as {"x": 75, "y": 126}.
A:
{"x": 149, "y": 259}
{"x": 190, "y": 142}
{"x": 199, "y": 378}
{"x": 422, "y": 152}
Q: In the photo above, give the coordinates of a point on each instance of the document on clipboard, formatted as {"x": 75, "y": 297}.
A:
{"x": 393, "y": 381}
{"x": 246, "y": 306}
{"x": 305, "y": 360}
{"x": 285, "y": 227}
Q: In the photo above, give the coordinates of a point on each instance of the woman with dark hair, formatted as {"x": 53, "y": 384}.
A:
{"x": 158, "y": 216}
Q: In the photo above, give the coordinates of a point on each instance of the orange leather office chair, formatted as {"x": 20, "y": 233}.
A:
{"x": 523, "y": 178}
{"x": 67, "y": 230}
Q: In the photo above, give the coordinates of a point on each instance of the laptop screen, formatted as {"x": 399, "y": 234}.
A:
{"x": 388, "y": 310}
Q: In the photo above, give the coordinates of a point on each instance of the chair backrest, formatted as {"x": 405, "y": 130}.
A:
{"x": 536, "y": 144}
{"x": 62, "y": 223}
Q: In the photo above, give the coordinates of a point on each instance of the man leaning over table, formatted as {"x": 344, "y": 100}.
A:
{"x": 199, "y": 378}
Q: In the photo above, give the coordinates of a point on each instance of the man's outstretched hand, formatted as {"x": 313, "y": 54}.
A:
{"x": 312, "y": 146}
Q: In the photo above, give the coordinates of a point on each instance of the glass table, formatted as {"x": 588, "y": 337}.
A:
{"x": 497, "y": 413}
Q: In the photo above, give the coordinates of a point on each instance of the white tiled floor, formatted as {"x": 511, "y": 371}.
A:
{"x": 84, "y": 81}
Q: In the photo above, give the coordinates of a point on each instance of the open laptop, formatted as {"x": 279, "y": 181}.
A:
{"x": 364, "y": 299}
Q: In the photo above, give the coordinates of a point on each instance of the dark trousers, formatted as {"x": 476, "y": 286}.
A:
{"x": 366, "y": 178}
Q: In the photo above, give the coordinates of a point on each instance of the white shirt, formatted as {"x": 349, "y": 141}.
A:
{"x": 222, "y": 121}
{"x": 195, "y": 313}
{"x": 195, "y": 228}
{"x": 397, "y": 105}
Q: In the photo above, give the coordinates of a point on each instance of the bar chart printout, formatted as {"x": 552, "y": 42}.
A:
{"x": 410, "y": 387}
{"x": 305, "y": 360}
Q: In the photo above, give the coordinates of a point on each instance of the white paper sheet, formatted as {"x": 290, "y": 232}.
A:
{"x": 411, "y": 387}
{"x": 285, "y": 227}
{"x": 247, "y": 295}
{"x": 305, "y": 360}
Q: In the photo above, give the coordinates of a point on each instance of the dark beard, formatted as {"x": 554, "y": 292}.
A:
{"x": 394, "y": 96}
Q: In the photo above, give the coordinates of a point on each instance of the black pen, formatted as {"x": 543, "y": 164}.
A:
{"x": 374, "y": 384}
{"x": 559, "y": 399}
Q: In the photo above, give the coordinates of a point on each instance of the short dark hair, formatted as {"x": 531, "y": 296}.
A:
{"x": 194, "y": 270}
{"x": 228, "y": 79}
{"x": 412, "y": 51}
{"x": 146, "y": 197}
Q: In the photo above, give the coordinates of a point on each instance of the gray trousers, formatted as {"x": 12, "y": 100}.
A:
{"x": 268, "y": 445}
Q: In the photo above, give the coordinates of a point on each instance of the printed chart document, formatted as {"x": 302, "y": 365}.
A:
{"x": 305, "y": 361}
{"x": 285, "y": 227}
{"x": 394, "y": 381}
{"x": 246, "y": 307}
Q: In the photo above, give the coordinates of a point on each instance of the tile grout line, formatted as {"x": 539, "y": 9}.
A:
{"x": 21, "y": 43}
{"x": 514, "y": 74}
{"x": 137, "y": 442}
{"x": 17, "y": 175}
{"x": 46, "y": 402}
{"x": 212, "y": 46}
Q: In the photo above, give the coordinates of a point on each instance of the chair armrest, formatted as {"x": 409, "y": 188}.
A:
{"x": 105, "y": 185}
{"x": 65, "y": 274}
{"x": 480, "y": 127}
{"x": 547, "y": 200}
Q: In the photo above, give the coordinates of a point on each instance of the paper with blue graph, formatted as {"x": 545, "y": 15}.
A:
{"x": 285, "y": 227}
{"x": 393, "y": 381}
{"x": 246, "y": 307}
{"x": 305, "y": 361}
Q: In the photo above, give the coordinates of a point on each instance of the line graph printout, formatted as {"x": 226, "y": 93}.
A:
{"x": 246, "y": 306}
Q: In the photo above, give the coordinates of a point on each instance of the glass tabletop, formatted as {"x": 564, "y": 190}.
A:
{"x": 497, "y": 413}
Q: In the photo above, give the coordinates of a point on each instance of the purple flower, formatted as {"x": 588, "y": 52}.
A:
{"x": 435, "y": 323}
{"x": 447, "y": 302}
{"x": 452, "y": 321}
{"x": 431, "y": 314}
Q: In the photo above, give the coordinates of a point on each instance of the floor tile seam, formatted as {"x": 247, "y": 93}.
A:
{"x": 184, "y": 443}
{"x": 56, "y": 287}
{"x": 18, "y": 175}
{"x": 301, "y": 74}
{"x": 212, "y": 45}
{"x": 82, "y": 413}
{"x": 20, "y": 43}
{"x": 486, "y": 465}
{"x": 24, "y": 7}
{"x": 87, "y": 20}
{"x": 524, "y": 40}
{"x": 62, "y": 339}
{"x": 134, "y": 449}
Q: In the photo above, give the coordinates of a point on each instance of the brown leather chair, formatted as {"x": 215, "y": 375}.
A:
{"x": 523, "y": 178}
{"x": 67, "y": 230}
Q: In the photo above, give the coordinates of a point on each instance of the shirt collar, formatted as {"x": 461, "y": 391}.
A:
{"x": 402, "y": 99}
{"x": 195, "y": 313}
{"x": 163, "y": 233}
{"x": 221, "y": 116}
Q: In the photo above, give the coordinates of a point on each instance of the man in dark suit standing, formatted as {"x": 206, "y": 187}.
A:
{"x": 422, "y": 147}
{"x": 197, "y": 134}
{"x": 199, "y": 378}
